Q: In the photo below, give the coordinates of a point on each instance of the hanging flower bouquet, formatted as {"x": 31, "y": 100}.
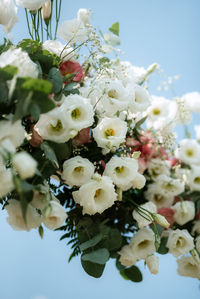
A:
{"x": 86, "y": 150}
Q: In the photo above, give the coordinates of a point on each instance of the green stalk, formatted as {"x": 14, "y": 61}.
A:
{"x": 27, "y": 20}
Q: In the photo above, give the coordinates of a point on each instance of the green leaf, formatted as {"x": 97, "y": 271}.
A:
{"x": 133, "y": 273}
{"x": 162, "y": 248}
{"x": 62, "y": 150}
{"x": 119, "y": 266}
{"x": 113, "y": 240}
{"x": 30, "y": 46}
{"x": 49, "y": 153}
{"x": 93, "y": 269}
{"x": 90, "y": 243}
{"x": 41, "y": 231}
{"x": 141, "y": 121}
{"x": 99, "y": 256}
{"x": 39, "y": 85}
{"x": 115, "y": 28}
{"x": 34, "y": 111}
{"x": 71, "y": 88}
{"x": 56, "y": 79}
{"x": 104, "y": 60}
{"x": 26, "y": 187}
{"x": 3, "y": 93}
{"x": 7, "y": 72}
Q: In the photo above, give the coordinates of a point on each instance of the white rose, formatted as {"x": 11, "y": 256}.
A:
{"x": 8, "y": 14}
{"x": 143, "y": 243}
{"x": 139, "y": 100}
{"x": 184, "y": 212}
{"x": 122, "y": 170}
{"x": 77, "y": 171}
{"x": 170, "y": 186}
{"x": 72, "y": 31}
{"x": 180, "y": 242}
{"x": 147, "y": 219}
{"x": 54, "y": 217}
{"x": 157, "y": 167}
{"x": 188, "y": 151}
{"x": 196, "y": 228}
{"x": 115, "y": 97}
{"x": 21, "y": 60}
{"x": 56, "y": 47}
{"x": 161, "y": 113}
{"x": 15, "y": 217}
{"x": 156, "y": 195}
{"x": 83, "y": 15}
{"x": 51, "y": 126}
{"x": 31, "y": 4}
{"x": 110, "y": 133}
{"x": 11, "y": 132}
{"x": 6, "y": 182}
{"x": 152, "y": 262}
{"x": 139, "y": 181}
{"x": 127, "y": 257}
{"x": 197, "y": 131}
{"x": 194, "y": 178}
{"x": 192, "y": 100}
{"x": 96, "y": 196}
{"x": 24, "y": 164}
{"x": 187, "y": 267}
{"x": 77, "y": 112}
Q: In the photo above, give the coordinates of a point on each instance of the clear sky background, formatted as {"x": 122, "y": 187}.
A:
{"x": 163, "y": 31}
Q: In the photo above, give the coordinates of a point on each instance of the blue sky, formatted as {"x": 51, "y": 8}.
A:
{"x": 167, "y": 32}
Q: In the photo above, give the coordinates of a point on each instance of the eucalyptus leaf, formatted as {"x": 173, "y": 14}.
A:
{"x": 49, "y": 153}
{"x": 92, "y": 242}
{"x": 93, "y": 269}
{"x": 99, "y": 256}
{"x": 56, "y": 79}
{"x": 115, "y": 28}
{"x": 133, "y": 273}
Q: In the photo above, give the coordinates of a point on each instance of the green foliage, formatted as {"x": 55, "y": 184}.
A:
{"x": 56, "y": 79}
{"x": 115, "y": 28}
{"x": 7, "y": 73}
{"x": 49, "y": 153}
{"x": 70, "y": 88}
{"x": 99, "y": 256}
{"x": 90, "y": 243}
{"x": 133, "y": 273}
{"x": 93, "y": 269}
{"x": 30, "y": 46}
{"x": 162, "y": 248}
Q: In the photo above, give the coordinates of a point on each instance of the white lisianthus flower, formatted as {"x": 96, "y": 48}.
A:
{"x": 197, "y": 131}
{"x": 56, "y": 47}
{"x": 147, "y": 219}
{"x": 110, "y": 133}
{"x": 180, "y": 242}
{"x": 6, "y": 182}
{"x": 72, "y": 31}
{"x": 77, "y": 112}
{"x": 152, "y": 262}
{"x": 188, "y": 267}
{"x": 31, "y": 5}
{"x": 55, "y": 216}
{"x": 196, "y": 228}
{"x": 188, "y": 151}
{"x": 184, "y": 212}
{"x": 42, "y": 198}
{"x": 161, "y": 113}
{"x": 157, "y": 167}
{"x": 46, "y": 10}
{"x": 139, "y": 99}
{"x": 77, "y": 171}
{"x": 127, "y": 257}
{"x": 24, "y": 164}
{"x": 96, "y": 196}
{"x": 8, "y": 14}
{"x": 21, "y": 60}
{"x": 170, "y": 186}
{"x": 15, "y": 216}
{"x": 51, "y": 126}
{"x": 122, "y": 171}
{"x": 192, "y": 101}
{"x": 139, "y": 181}
{"x": 11, "y": 134}
{"x": 143, "y": 243}
{"x": 115, "y": 97}
{"x": 193, "y": 178}
{"x": 197, "y": 243}
{"x": 90, "y": 92}
{"x": 159, "y": 198}
{"x": 83, "y": 15}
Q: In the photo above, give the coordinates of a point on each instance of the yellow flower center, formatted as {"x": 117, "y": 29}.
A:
{"x": 57, "y": 127}
{"x": 156, "y": 111}
{"x": 189, "y": 152}
{"x": 119, "y": 169}
{"x": 197, "y": 180}
{"x": 97, "y": 193}
{"x": 76, "y": 113}
{"x": 78, "y": 169}
{"x": 113, "y": 94}
{"x": 109, "y": 132}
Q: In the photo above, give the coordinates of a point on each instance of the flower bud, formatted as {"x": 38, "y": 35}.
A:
{"x": 152, "y": 262}
{"x": 46, "y": 11}
{"x": 24, "y": 164}
{"x": 161, "y": 220}
{"x": 195, "y": 256}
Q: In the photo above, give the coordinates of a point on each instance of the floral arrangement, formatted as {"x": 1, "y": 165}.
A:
{"x": 85, "y": 149}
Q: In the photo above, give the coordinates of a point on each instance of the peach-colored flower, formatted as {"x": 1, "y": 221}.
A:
{"x": 69, "y": 67}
